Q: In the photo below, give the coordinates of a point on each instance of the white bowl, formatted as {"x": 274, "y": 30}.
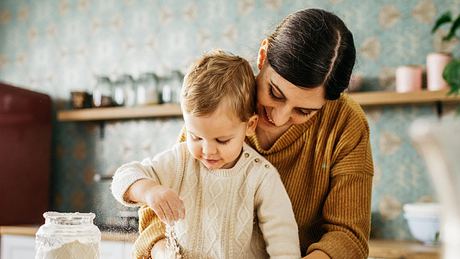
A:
{"x": 424, "y": 221}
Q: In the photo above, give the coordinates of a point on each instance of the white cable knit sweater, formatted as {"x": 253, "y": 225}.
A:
{"x": 242, "y": 212}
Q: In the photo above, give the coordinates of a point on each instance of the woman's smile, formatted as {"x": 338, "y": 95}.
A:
{"x": 267, "y": 115}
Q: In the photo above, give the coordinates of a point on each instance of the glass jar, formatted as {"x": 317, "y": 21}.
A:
{"x": 102, "y": 92}
{"x": 129, "y": 89}
{"x": 68, "y": 235}
{"x": 176, "y": 84}
{"x": 166, "y": 89}
{"x": 118, "y": 93}
{"x": 147, "y": 89}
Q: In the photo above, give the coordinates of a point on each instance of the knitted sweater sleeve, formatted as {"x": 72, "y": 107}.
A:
{"x": 276, "y": 218}
{"x": 346, "y": 209}
{"x": 151, "y": 229}
{"x": 161, "y": 169}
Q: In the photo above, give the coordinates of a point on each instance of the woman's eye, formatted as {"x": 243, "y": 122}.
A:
{"x": 304, "y": 113}
{"x": 273, "y": 95}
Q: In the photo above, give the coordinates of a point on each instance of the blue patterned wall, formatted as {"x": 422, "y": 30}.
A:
{"x": 56, "y": 46}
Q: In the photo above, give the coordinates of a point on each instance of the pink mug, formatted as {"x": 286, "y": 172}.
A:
{"x": 408, "y": 79}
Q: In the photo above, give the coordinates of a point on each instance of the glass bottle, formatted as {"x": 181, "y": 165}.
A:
{"x": 68, "y": 235}
{"x": 118, "y": 92}
{"x": 147, "y": 89}
{"x": 176, "y": 84}
{"x": 129, "y": 90}
{"x": 102, "y": 92}
{"x": 166, "y": 89}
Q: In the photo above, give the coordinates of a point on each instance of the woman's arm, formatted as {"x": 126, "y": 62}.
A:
{"x": 317, "y": 254}
{"x": 346, "y": 210}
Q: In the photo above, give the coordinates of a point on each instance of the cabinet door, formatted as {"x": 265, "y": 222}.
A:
{"x": 17, "y": 247}
{"x": 112, "y": 250}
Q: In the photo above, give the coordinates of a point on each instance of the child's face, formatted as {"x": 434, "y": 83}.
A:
{"x": 216, "y": 140}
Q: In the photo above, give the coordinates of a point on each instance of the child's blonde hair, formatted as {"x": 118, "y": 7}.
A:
{"x": 219, "y": 76}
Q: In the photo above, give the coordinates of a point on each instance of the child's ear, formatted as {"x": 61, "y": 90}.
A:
{"x": 252, "y": 125}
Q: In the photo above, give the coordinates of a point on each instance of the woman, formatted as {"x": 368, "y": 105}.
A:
{"x": 315, "y": 136}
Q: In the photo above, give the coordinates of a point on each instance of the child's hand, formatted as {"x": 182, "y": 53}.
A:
{"x": 165, "y": 203}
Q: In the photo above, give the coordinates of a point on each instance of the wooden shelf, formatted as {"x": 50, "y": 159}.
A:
{"x": 117, "y": 113}
{"x": 394, "y": 98}
{"x": 173, "y": 110}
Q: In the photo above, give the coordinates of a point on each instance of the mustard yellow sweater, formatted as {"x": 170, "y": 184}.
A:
{"x": 326, "y": 167}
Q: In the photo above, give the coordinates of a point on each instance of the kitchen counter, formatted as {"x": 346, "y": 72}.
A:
{"x": 377, "y": 248}
{"x": 398, "y": 249}
{"x": 31, "y": 230}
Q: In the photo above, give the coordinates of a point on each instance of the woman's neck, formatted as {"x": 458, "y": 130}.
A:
{"x": 268, "y": 138}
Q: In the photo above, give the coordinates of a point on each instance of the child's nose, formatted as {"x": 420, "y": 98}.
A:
{"x": 209, "y": 148}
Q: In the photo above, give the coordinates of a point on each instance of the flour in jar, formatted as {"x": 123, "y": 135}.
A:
{"x": 72, "y": 250}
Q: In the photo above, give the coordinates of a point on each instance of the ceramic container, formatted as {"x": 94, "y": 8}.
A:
{"x": 424, "y": 221}
{"x": 408, "y": 78}
{"x": 435, "y": 64}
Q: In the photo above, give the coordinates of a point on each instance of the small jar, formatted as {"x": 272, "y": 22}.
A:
{"x": 147, "y": 89}
{"x": 176, "y": 83}
{"x": 167, "y": 91}
{"x": 435, "y": 64}
{"x": 129, "y": 89}
{"x": 68, "y": 235}
{"x": 408, "y": 79}
{"x": 102, "y": 92}
{"x": 118, "y": 93}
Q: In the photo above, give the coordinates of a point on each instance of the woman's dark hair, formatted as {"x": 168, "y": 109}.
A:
{"x": 313, "y": 47}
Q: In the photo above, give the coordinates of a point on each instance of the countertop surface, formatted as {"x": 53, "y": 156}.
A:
{"x": 31, "y": 230}
{"x": 403, "y": 249}
{"x": 377, "y": 248}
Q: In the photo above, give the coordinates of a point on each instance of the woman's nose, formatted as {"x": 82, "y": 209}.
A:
{"x": 281, "y": 115}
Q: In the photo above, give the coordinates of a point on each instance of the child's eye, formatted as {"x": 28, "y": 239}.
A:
{"x": 223, "y": 142}
{"x": 194, "y": 138}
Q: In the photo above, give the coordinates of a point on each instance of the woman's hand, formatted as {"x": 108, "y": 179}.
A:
{"x": 165, "y": 203}
{"x": 317, "y": 254}
{"x": 159, "y": 250}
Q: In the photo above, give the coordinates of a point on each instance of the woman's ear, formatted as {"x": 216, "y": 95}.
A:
{"x": 252, "y": 125}
{"x": 262, "y": 55}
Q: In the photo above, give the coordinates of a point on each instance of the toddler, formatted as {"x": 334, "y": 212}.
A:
{"x": 217, "y": 196}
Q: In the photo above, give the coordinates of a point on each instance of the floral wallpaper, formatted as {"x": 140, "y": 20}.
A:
{"x": 57, "y": 46}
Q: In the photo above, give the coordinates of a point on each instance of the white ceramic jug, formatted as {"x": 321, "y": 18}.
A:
{"x": 439, "y": 144}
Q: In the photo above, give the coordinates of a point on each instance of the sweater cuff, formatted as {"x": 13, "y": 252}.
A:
{"x": 147, "y": 239}
{"x": 120, "y": 185}
{"x": 338, "y": 245}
